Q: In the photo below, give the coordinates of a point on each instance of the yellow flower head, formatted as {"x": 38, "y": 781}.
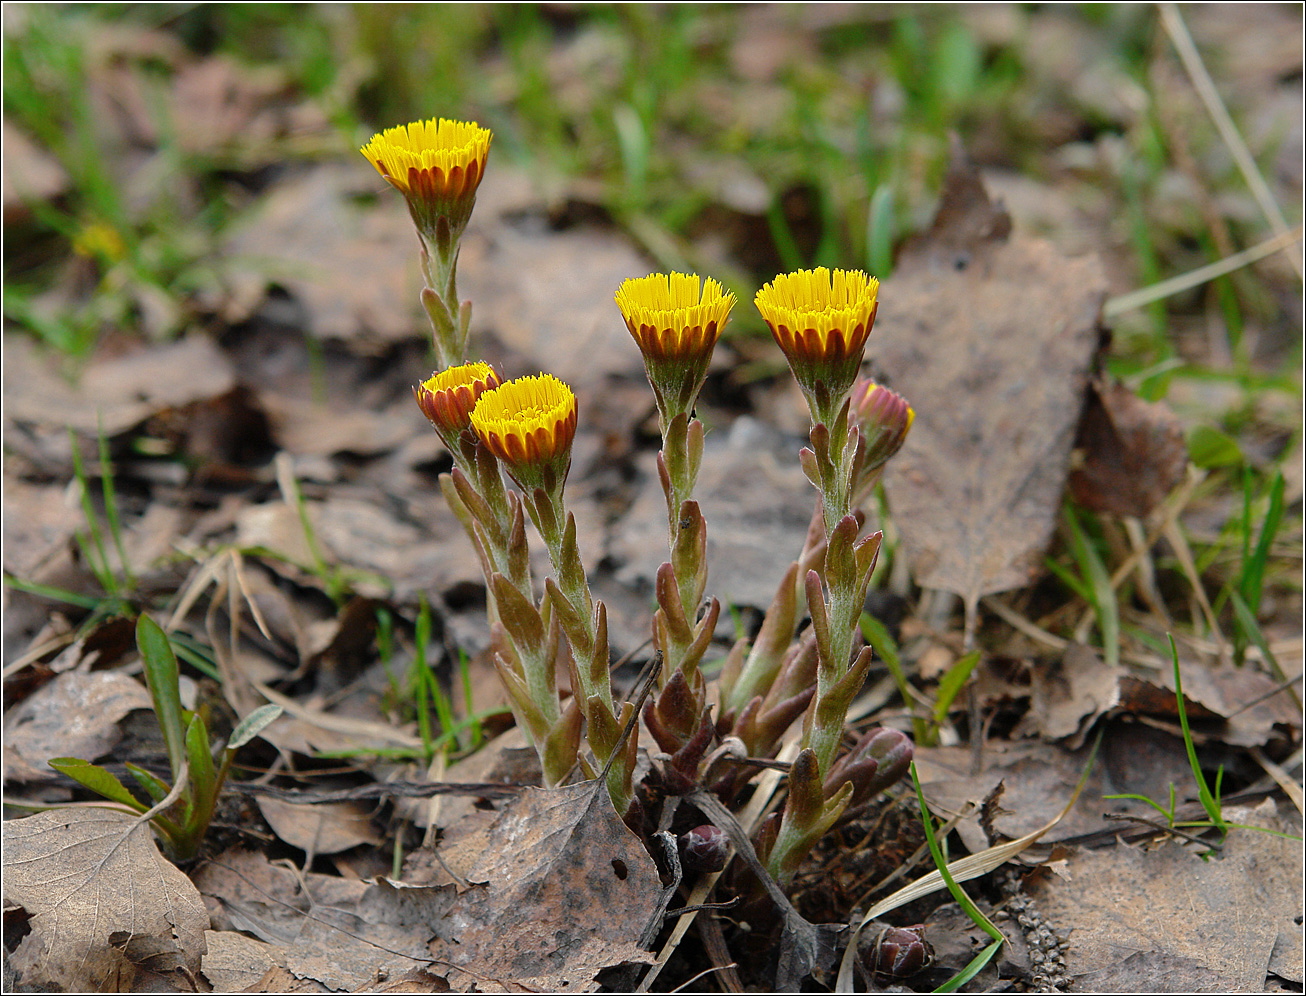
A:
{"x": 529, "y": 424}
{"x": 447, "y": 398}
{"x": 884, "y": 418}
{"x": 676, "y": 325}
{"x": 437, "y": 165}
{"x": 821, "y": 320}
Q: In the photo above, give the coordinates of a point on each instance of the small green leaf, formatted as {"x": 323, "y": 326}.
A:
{"x": 952, "y": 682}
{"x": 161, "y": 674}
{"x": 97, "y": 779}
{"x": 880, "y": 230}
{"x": 1102, "y": 596}
{"x": 252, "y": 725}
{"x": 1252, "y": 576}
{"x": 1210, "y": 802}
{"x": 155, "y": 787}
{"x": 1208, "y": 447}
{"x": 971, "y": 970}
{"x": 202, "y": 774}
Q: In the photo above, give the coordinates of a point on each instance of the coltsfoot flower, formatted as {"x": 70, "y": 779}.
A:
{"x": 529, "y": 424}
{"x": 437, "y": 165}
{"x": 821, "y": 320}
{"x": 447, "y": 398}
{"x": 676, "y": 324}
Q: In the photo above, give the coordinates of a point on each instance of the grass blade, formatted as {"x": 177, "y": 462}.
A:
{"x": 1209, "y": 802}
{"x": 111, "y": 507}
{"x": 952, "y": 682}
{"x": 1102, "y": 596}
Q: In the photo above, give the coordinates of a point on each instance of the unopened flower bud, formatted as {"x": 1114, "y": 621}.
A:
{"x": 704, "y": 849}
{"x": 877, "y": 761}
{"x": 884, "y": 419}
{"x": 898, "y": 952}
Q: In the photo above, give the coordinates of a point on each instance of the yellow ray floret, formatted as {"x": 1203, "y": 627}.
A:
{"x": 670, "y": 317}
{"x": 439, "y": 157}
{"x": 820, "y": 314}
{"x": 530, "y": 421}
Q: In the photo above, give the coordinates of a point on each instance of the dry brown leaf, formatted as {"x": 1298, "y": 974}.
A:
{"x": 305, "y": 427}
{"x": 349, "y": 259}
{"x": 990, "y": 337}
{"x": 327, "y": 828}
{"x": 1068, "y": 695}
{"x": 100, "y": 896}
{"x": 343, "y": 934}
{"x": 1160, "y": 919}
{"x": 114, "y": 394}
{"x": 75, "y": 715}
{"x": 1134, "y": 452}
{"x": 547, "y": 294}
{"x": 39, "y": 523}
{"x": 1038, "y": 777}
{"x": 1250, "y": 701}
{"x": 30, "y": 175}
{"x": 567, "y": 891}
{"x": 234, "y": 962}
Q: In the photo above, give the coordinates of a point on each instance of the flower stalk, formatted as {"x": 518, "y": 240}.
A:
{"x": 821, "y": 320}
{"x": 437, "y": 165}
{"x": 676, "y": 320}
{"x": 528, "y": 424}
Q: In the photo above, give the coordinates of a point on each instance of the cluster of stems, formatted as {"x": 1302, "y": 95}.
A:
{"x": 522, "y": 430}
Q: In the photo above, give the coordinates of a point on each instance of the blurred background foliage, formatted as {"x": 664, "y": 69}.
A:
{"x": 739, "y": 140}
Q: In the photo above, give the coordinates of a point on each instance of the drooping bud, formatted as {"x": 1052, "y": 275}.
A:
{"x": 884, "y": 418}
{"x": 877, "y": 761}
{"x": 704, "y": 849}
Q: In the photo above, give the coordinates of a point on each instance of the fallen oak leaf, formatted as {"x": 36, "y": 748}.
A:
{"x": 1134, "y": 453}
{"x": 567, "y": 890}
{"x": 991, "y": 337}
{"x": 98, "y": 893}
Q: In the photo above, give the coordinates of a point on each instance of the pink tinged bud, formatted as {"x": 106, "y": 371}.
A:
{"x": 884, "y": 418}
{"x": 704, "y": 849}
{"x": 878, "y": 760}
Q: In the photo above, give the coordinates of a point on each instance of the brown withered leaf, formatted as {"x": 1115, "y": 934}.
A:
{"x": 1251, "y": 702}
{"x": 567, "y": 891}
{"x": 101, "y": 898}
{"x": 1068, "y": 695}
{"x": 1133, "y": 452}
{"x": 326, "y": 828}
{"x": 235, "y": 962}
{"x": 1163, "y": 920}
{"x": 29, "y": 174}
{"x": 114, "y": 393}
{"x": 548, "y": 295}
{"x": 340, "y": 933}
{"x": 1039, "y": 778}
{"x": 75, "y": 715}
{"x": 990, "y": 337}
{"x": 349, "y": 258}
